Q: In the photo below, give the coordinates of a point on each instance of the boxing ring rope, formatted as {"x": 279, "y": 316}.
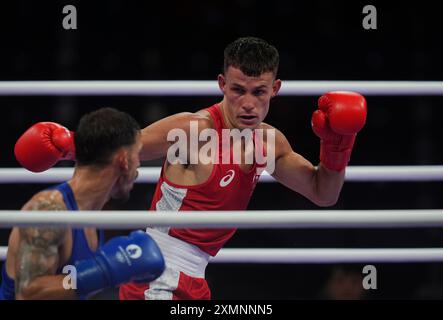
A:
{"x": 3, "y": 252}
{"x": 210, "y": 88}
{"x": 151, "y": 174}
{"x": 322, "y": 255}
{"x": 251, "y": 219}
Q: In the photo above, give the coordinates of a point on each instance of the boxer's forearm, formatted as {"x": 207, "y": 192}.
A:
{"x": 47, "y": 288}
{"x": 328, "y": 184}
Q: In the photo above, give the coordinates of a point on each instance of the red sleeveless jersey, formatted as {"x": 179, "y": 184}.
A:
{"x": 227, "y": 188}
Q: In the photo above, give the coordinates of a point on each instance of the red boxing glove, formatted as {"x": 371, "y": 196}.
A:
{"x": 43, "y": 145}
{"x": 340, "y": 116}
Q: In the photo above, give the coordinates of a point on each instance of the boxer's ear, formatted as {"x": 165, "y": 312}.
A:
{"x": 276, "y": 87}
{"x": 121, "y": 159}
{"x": 221, "y": 82}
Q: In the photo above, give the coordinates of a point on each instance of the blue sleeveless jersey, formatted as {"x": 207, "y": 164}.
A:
{"x": 80, "y": 247}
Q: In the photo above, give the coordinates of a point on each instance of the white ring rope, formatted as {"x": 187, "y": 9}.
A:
{"x": 317, "y": 255}
{"x": 3, "y": 253}
{"x": 252, "y": 219}
{"x": 320, "y": 255}
{"x": 210, "y": 88}
{"x": 151, "y": 174}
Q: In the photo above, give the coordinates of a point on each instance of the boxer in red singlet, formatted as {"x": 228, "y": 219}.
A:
{"x": 248, "y": 84}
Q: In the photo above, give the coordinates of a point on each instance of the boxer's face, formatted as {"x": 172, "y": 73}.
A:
{"x": 129, "y": 170}
{"x": 246, "y": 99}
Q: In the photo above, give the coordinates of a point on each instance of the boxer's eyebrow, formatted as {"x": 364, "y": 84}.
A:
{"x": 263, "y": 86}
{"x": 236, "y": 85}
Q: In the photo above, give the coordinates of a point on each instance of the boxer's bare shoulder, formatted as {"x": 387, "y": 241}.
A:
{"x": 204, "y": 119}
{"x": 50, "y": 200}
{"x": 155, "y": 136}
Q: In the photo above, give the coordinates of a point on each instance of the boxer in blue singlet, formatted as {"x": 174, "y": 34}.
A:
{"x": 107, "y": 146}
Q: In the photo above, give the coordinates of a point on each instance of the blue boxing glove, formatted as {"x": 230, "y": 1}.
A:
{"x": 122, "y": 259}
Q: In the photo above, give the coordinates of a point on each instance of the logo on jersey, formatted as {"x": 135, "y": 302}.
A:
{"x": 134, "y": 251}
{"x": 227, "y": 178}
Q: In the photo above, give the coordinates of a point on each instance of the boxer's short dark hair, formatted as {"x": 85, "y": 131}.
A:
{"x": 101, "y": 133}
{"x": 253, "y": 56}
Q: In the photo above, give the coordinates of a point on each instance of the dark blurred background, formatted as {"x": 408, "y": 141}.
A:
{"x": 317, "y": 40}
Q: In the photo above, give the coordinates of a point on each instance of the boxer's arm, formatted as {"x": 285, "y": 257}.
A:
{"x": 154, "y": 136}
{"x": 36, "y": 264}
{"x": 37, "y": 257}
{"x": 319, "y": 184}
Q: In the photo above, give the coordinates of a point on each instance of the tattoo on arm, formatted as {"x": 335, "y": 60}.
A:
{"x": 38, "y": 251}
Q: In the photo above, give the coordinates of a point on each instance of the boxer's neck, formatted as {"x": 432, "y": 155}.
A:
{"x": 92, "y": 187}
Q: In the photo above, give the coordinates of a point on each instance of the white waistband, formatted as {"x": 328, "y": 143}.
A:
{"x": 180, "y": 255}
